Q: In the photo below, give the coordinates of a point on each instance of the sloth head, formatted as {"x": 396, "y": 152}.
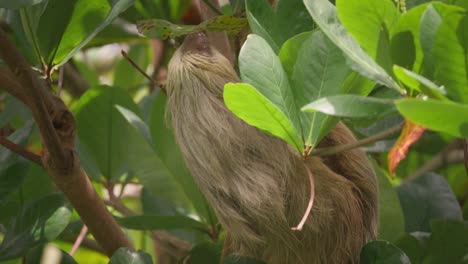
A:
{"x": 196, "y": 62}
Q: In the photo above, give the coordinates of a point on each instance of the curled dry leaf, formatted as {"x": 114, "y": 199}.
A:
{"x": 410, "y": 133}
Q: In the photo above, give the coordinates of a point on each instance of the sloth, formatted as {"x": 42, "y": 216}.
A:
{"x": 257, "y": 184}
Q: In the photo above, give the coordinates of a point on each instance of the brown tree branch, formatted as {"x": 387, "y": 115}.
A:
{"x": 57, "y": 128}
{"x": 20, "y": 150}
{"x": 10, "y": 85}
{"x": 340, "y": 148}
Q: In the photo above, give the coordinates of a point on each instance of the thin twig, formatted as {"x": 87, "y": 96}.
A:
{"x": 311, "y": 201}
{"x": 336, "y": 149}
{"x": 133, "y": 63}
{"x": 21, "y": 151}
{"x": 439, "y": 161}
{"x": 212, "y": 7}
{"x": 79, "y": 240}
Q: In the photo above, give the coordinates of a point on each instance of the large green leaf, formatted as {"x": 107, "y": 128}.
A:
{"x": 128, "y": 255}
{"x": 58, "y": 29}
{"x": 391, "y": 220}
{"x": 436, "y": 115}
{"x": 102, "y": 129}
{"x": 39, "y": 222}
{"x": 451, "y": 55}
{"x": 382, "y": 252}
{"x": 256, "y": 110}
{"x": 290, "y": 51}
{"x": 366, "y": 19}
{"x": 449, "y": 243}
{"x": 348, "y": 105}
{"x": 165, "y": 146}
{"x": 154, "y": 222}
{"x": 320, "y": 70}
{"x": 206, "y": 252}
{"x": 324, "y": 14}
{"x": 290, "y": 19}
{"x": 405, "y": 39}
{"x": 147, "y": 167}
{"x": 260, "y": 67}
{"x": 426, "y": 198}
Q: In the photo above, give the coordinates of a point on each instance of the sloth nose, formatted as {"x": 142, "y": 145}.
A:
{"x": 197, "y": 41}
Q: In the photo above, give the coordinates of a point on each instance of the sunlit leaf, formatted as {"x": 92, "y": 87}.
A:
{"x": 444, "y": 116}
{"x": 348, "y": 105}
{"x": 260, "y": 67}
{"x": 324, "y": 14}
{"x": 154, "y": 222}
{"x": 252, "y": 107}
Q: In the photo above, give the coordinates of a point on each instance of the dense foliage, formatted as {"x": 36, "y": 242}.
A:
{"x": 375, "y": 64}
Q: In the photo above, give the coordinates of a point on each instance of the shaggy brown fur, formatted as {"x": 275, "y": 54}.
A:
{"x": 257, "y": 185}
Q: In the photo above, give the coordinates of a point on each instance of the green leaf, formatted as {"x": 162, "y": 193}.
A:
{"x": 290, "y": 51}
{"x": 206, "y": 252}
{"x": 39, "y": 222}
{"x": 9, "y": 4}
{"x": 383, "y": 252}
{"x": 436, "y": 115}
{"x": 260, "y": 67}
{"x": 154, "y": 222}
{"x": 414, "y": 245}
{"x": 128, "y": 255}
{"x": 366, "y": 19}
{"x": 256, "y": 110}
{"x": 448, "y": 243}
{"x": 320, "y": 70}
{"x": 348, "y": 105}
{"x": 277, "y": 27}
{"x": 151, "y": 172}
{"x": 391, "y": 219}
{"x": 162, "y": 29}
{"x": 79, "y": 22}
{"x": 419, "y": 83}
{"x": 19, "y": 137}
{"x": 12, "y": 177}
{"x": 429, "y": 24}
{"x": 102, "y": 129}
{"x": 324, "y": 14}
{"x": 165, "y": 146}
{"x": 451, "y": 55}
{"x": 405, "y": 39}
{"x": 425, "y": 198}
{"x": 135, "y": 122}
{"x": 125, "y": 75}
